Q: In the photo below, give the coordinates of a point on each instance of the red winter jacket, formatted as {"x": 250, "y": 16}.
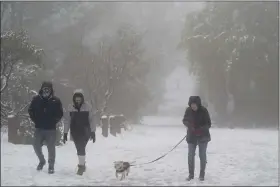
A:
{"x": 197, "y": 132}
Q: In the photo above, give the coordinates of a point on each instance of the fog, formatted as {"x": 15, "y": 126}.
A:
{"x": 71, "y": 27}
{"x": 147, "y": 58}
{"x": 138, "y": 63}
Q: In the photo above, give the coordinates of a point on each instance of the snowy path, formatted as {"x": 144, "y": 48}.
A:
{"x": 235, "y": 157}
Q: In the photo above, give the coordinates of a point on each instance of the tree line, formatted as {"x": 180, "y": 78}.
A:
{"x": 233, "y": 49}
{"x": 52, "y": 40}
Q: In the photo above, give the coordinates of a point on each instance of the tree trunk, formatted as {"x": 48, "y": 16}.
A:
{"x": 105, "y": 126}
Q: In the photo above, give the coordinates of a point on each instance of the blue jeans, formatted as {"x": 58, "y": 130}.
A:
{"x": 202, "y": 146}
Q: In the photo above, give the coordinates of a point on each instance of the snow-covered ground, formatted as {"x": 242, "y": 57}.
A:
{"x": 235, "y": 157}
{"x": 162, "y": 121}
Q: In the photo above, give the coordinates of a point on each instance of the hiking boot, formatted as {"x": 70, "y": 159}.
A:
{"x": 190, "y": 177}
{"x": 81, "y": 169}
{"x": 41, "y": 165}
{"x": 51, "y": 170}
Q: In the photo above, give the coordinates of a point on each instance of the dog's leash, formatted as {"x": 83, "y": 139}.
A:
{"x": 162, "y": 155}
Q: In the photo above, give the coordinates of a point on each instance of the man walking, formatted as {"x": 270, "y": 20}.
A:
{"x": 45, "y": 111}
{"x": 198, "y": 122}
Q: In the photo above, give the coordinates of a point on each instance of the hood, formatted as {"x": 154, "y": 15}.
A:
{"x": 196, "y": 100}
{"x": 79, "y": 93}
{"x": 46, "y": 84}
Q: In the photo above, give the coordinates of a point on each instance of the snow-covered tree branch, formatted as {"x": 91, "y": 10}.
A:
{"x": 232, "y": 49}
{"x": 19, "y": 59}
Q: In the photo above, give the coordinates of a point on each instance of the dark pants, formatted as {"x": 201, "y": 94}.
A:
{"x": 49, "y": 136}
{"x": 80, "y": 144}
{"x": 202, "y": 155}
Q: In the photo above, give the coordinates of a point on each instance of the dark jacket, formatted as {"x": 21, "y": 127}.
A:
{"x": 81, "y": 121}
{"x": 45, "y": 113}
{"x": 198, "y": 122}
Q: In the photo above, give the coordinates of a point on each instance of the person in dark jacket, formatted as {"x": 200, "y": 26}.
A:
{"x": 198, "y": 122}
{"x": 82, "y": 127}
{"x": 45, "y": 111}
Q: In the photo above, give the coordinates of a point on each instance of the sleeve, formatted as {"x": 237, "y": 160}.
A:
{"x": 91, "y": 116}
{"x": 31, "y": 109}
{"x": 59, "y": 111}
{"x": 68, "y": 121}
{"x": 207, "y": 119}
{"x": 186, "y": 119}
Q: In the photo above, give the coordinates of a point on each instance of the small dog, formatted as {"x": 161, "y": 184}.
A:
{"x": 122, "y": 168}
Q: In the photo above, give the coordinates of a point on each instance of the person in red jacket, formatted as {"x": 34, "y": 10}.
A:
{"x": 198, "y": 122}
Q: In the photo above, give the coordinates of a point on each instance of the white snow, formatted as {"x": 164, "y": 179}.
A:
{"x": 235, "y": 157}
{"x": 34, "y": 92}
{"x": 162, "y": 121}
{"x": 11, "y": 116}
{"x": 4, "y": 82}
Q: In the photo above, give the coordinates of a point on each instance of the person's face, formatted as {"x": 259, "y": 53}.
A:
{"x": 78, "y": 100}
{"x": 46, "y": 92}
{"x": 194, "y": 107}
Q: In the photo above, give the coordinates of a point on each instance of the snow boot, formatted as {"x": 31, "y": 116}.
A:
{"x": 81, "y": 169}
{"x": 51, "y": 170}
{"x": 41, "y": 165}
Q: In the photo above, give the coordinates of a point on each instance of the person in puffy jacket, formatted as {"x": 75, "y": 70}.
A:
{"x": 82, "y": 127}
{"x": 198, "y": 122}
{"x": 45, "y": 111}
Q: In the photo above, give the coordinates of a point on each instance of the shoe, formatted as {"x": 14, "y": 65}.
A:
{"x": 51, "y": 170}
{"x": 81, "y": 169}
{"x": 41, "y": 165}
{"x": 201, "y": 176}
{"x": 190, "y": 177}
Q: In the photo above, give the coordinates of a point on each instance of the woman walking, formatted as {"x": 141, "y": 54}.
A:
{"x": 82, "y": 127}
{"x": 198, "y": 123}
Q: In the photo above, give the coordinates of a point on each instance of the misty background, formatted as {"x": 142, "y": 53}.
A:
{"x": 145, "y": 58}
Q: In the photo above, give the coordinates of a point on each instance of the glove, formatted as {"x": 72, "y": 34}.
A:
{"x": 92, "y": 136}
{"x": 65, "y": 138}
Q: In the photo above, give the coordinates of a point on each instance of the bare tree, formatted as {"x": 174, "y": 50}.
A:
{"x": 102, "y": 76}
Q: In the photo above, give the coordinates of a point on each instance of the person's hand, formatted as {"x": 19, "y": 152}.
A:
{"x": 65, "y": 138}
{"x": 92, "y": 136}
